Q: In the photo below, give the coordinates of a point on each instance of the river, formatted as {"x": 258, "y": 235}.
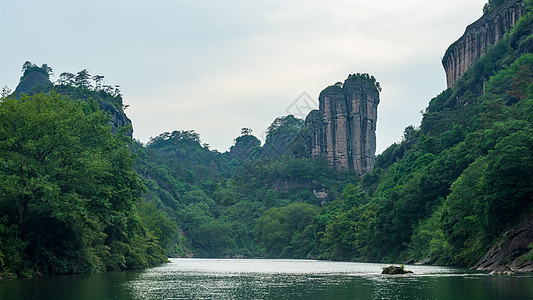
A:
{"x": 272, "y": 279}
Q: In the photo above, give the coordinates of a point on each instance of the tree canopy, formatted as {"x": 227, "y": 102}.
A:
{"x": 68, "y": 193}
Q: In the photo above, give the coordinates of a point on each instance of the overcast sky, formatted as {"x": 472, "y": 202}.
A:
{"x": 218, "y": 66}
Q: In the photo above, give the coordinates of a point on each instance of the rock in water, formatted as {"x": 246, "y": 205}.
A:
{"x": 31, "y": 82}
{"x": 502, "y": 270}
{"x": 393, "y": 270}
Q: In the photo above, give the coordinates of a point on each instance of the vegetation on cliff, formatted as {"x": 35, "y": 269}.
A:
{"x": 492, "y": 4}
{"x": 70, "y": 200}
{"x": 453, "y": 186}
{"x": 446, "y": 192}
{"x": 79, "y": 86}
{"x": 76, "y": 198}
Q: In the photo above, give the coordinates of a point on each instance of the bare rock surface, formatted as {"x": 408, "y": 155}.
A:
{"x": 343, "y": 130}
{"x": 478, "y": 36}
{"x": 512, "y": 252}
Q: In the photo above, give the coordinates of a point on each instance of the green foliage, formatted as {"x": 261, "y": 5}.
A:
{"x": 286, "y": 232}
{"x": 489, "y": 6}
{"x": 216, "y": 203}
{"x": 70, "y": 201}
{"x": 428, "y": 241}
{"x": 451, "y": 188}
{"x": 68, "y": 190}
{"x": 78, "y": 86}
{"x": 30, "y": 67}
{"x": 509, "y": 179}
{"x": 287, "y": 123}
{"x": 345, "y": 225}
{"x": 367, "y": 77}
{"x": 282, "y": 138}
{"x": 446, "y": 192}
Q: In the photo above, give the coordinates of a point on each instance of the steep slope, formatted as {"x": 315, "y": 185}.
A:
{"x": 478, "y": 37}
{"x": 512, "y": 253}
{"x": 461, "y": 183}
{"x": 37, "y": 79}
{"x": 32, "y": 82}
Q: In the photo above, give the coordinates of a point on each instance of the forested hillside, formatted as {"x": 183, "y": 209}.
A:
{"x": 217, "y": 198}
{"x": 70, "y": 200}
{"x": 457, "y": 182}
{"x": 445, "y": 193}
{"x": 78, "y": 195}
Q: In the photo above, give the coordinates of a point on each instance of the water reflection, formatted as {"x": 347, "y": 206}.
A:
{"x": 272, "y": 279}
{"x": 84, "y": 287}
{"x": 287, "y": 279}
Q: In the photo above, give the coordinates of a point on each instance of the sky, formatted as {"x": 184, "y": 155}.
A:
{"x": 218, "y": 66}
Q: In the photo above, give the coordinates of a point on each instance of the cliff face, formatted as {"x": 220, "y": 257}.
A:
{"x": 344, "y": 128}
{"x": 118, "y": 117}
{"x": 512, "y": 253}
{"x": 37, "y": 82}
{"x": 488, "y": 30}
{"x": 315, "y": 137}
{"x": 29, "y": 83}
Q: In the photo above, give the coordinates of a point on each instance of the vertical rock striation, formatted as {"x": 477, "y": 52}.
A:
{"x": 488, "y": 30}
{"x": 316, "y": 139}
{"x": 343, "y": 130}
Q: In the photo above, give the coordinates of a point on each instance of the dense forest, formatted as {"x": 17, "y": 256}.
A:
{"x": 79, "y": 196}
{"x": 70, "y": 199}
{"x": 445, "y": 193}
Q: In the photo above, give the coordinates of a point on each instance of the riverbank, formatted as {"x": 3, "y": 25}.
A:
{"x": 513, "y": 253}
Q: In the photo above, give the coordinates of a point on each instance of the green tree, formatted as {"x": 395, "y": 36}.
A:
{"x": 277, "y": 227}
{"x": 68, "y": 189}
{"x": 83, "y": 79}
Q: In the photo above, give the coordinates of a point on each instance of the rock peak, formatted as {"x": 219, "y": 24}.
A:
{"x": 343, "y": 130}
{"x": 32, "y": 81}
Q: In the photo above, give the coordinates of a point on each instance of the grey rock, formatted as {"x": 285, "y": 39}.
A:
{"x": 502, "y": 270}
{"x": 511, "y": 251}
{"x": 343, "y": 130}
{"x": 244, "y": 146}
{"x": 30, "y": 82}
{"x": 393, "y": 270}
{"x": 37, "y": 82}
{"x": 424, "y": 261}
{"x": 487, "y": 30}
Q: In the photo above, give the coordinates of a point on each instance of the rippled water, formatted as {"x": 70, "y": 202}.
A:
{"x": 273, "y": 279}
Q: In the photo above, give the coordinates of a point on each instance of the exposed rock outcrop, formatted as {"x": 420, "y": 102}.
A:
{"x": 343, "y": 130}
{"x": 118, "y": 117}
{"x": 316, "y": 137}
{"x": 393, "y": 270}
{"x": 31, "y": 82}
{"x": 36, "y": 82}
{"x": 283, "y": 138}
{"x": 513, "y": 253}
{"x": 502, "y": 270}
{"x": 244, "y": 146}
{"x": 488, "y": 30}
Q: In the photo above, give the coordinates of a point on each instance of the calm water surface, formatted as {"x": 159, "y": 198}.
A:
{"x": 272, "y": 279}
